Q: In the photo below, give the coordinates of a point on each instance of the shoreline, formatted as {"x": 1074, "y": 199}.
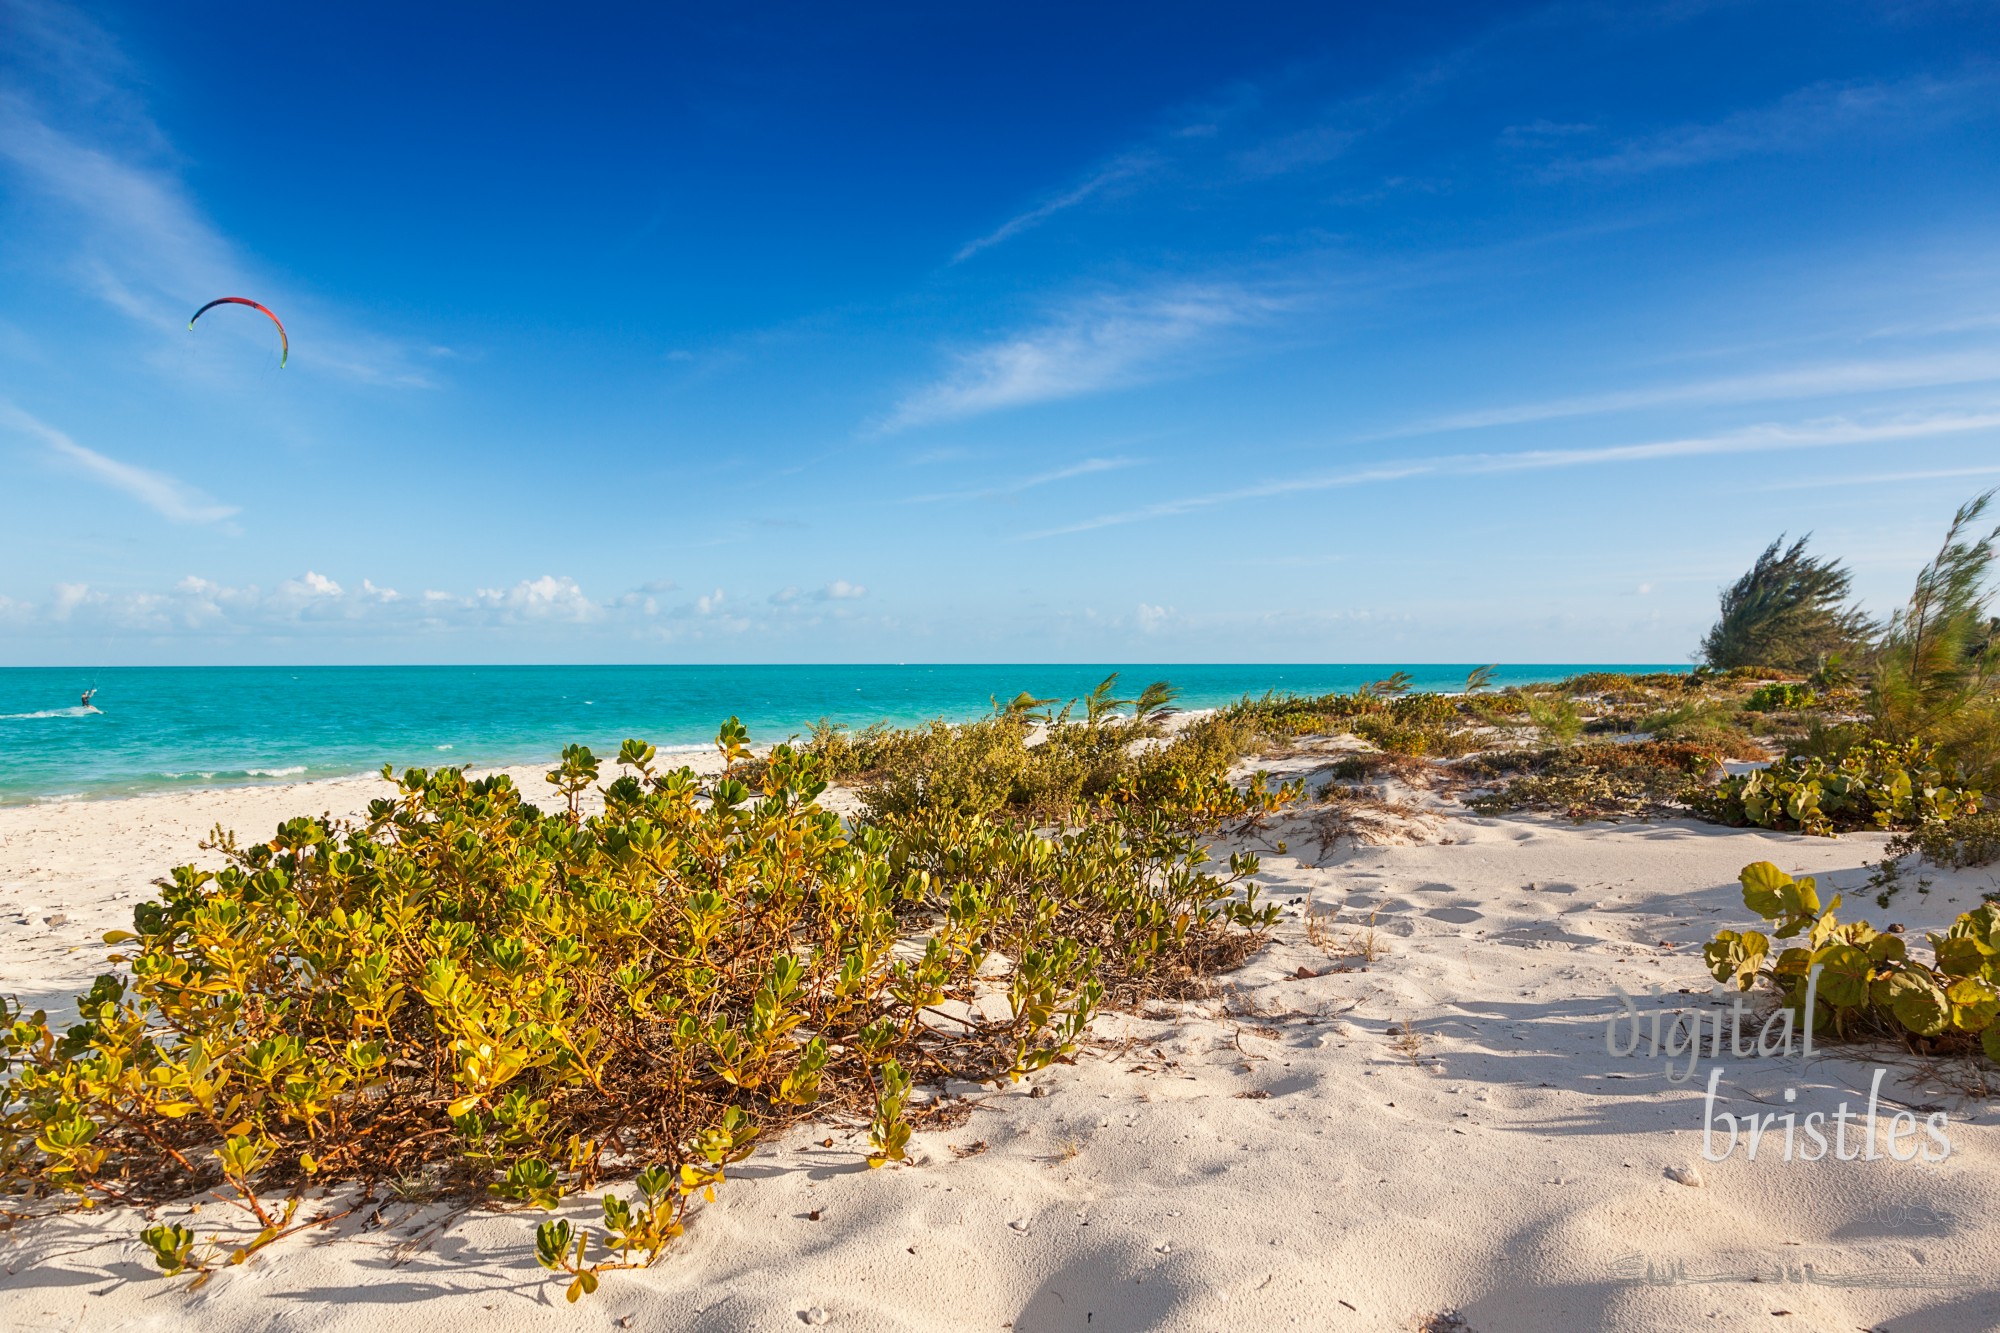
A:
{"x": 280, "y": 779}
{"x": 246, "y": 726}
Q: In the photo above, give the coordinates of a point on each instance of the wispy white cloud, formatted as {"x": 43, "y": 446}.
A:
{"x": 1826, "y": 433}
{"x": 1799, "y": 120}
{"x": 1123, "y": 168}
{"x": 1882, "y": 478}
{"x": 1979, "y": 367}
{"x": 1540, "y": 133}
{"x": 1087, "y": 467}
{"x": 125, "y": 226}
{"x": 792, "y": 600}
{"x": 1095, "y": 344}
{"x": 167, "y": 496}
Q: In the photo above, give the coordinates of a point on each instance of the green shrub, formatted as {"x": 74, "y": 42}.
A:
{"x": 1874, "y": 785}
{"x": 1557, "y": 718}
{"x": 1695, "y": 720}
{"x": 1286, "y": 716}
{"x": 1969, "y": 840}
{"x": 1597, "y": 682}
{"x": 971, "y": 767}
{"x": 1402, "y": 723}
{"x": 1826, "y": 741}
{"x": 509, "y": 1000}
{"x": 1867, "y": 982}
{"x": 1002, "y": 766}
{"x": 1593, "y": 781}
{"x": 1780, "y": 695}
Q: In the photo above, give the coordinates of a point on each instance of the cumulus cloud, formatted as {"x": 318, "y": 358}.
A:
{"x": 546, "y": 598}
{"x": 203, "y": 605}
{"x": 68, "y": 597}
{"x": 317, "y": 604}
{"x": 310, "y": 585}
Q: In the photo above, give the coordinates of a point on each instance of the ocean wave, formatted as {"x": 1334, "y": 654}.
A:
{"x": 291, "y": 772}
{"x": 72, "y": 711}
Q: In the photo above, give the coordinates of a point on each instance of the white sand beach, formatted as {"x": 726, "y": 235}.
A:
{"x": 1436, "y": 1138}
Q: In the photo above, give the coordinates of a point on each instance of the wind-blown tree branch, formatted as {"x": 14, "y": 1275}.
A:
{"x": 1787, "y": 611}
{"x": 1023, "y": 707}
{"x": 1939, "y": 671}
{"x": 1154, "y": 705}
{"x": 1100, "y": 704}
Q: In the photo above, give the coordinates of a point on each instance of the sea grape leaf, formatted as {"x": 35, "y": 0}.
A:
{"x": 1887, "y": 949}
{"x": 1844, "y": 973}
{"x": 1763, "y": 883}
{"x": 1793, "y": 962}
{"x": 1918, "y": 1004}
{"x": 1734, "y": 956}
{"x": 1960, "y": 955}
{"x": 1974, "y": 1004}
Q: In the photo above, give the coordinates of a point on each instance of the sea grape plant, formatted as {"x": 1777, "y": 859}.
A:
{"x": 1876, "y": 784}
{"x": 517, "y": 1001}
{"x": 1849, "y": 979}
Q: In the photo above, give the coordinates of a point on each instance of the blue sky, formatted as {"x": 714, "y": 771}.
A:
{"x": 964, "y": 333}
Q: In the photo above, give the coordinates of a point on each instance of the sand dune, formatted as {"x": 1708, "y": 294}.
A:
{"x": 1326, "y": 1142}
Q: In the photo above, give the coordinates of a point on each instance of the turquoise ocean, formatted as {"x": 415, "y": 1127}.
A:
{"x": 158, "y": 728}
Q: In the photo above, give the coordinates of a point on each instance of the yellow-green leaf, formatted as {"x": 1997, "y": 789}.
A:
{"x": 1844, "y": 974}
{"x": 1762, "y": 884}
{"x": 1918, "y": 1004}
{"x": 1974, "y": 1004}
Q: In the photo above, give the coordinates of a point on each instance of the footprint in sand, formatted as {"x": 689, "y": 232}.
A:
{"x": 1457, "y": 916}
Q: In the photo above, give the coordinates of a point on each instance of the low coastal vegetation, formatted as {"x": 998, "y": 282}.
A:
{"x": 465, "y": 993}
{"x": 469, "y": 994}
{"x": 1847, "y": 979}
{"x": 1889, "y": 726}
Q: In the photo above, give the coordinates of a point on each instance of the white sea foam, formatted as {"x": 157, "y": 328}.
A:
{"x": 72, "y": 711}
{"x": 291, "y": 772}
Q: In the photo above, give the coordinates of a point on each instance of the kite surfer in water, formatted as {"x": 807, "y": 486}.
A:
{"x": 88, "y": 695}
